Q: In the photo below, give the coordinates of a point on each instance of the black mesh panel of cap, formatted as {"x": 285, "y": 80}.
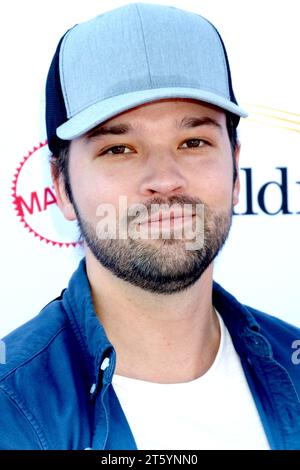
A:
{"x": 235, "y": 117}
{"x": 56, "y": 113}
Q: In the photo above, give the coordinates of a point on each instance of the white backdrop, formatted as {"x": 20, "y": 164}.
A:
{"x": 260, "y": 263}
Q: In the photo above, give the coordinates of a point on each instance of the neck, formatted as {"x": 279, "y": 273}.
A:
{"x": 157, "y": 337}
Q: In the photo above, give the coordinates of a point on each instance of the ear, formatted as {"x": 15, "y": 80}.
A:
{"x": 63, "y": 201}
{"x": 236, "y": 187}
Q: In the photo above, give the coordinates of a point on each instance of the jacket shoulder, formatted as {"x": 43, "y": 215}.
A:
{"x": 27, "y": 341}
{"x": 26, "y": 351}
{"x": 284, "y": 339}
{"x": 45, "y": 378}
{"x": 274, "y": 327}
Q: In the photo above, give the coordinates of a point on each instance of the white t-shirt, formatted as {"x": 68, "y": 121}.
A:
{"x": 215, "y": 411}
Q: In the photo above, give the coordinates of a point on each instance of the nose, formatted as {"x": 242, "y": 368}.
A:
{"x": 162, "y": 174}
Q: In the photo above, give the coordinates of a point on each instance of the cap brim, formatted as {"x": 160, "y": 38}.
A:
{"x": 99, "y": 112}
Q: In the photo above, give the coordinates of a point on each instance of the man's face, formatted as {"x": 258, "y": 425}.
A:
{"x": 164, "y": 152}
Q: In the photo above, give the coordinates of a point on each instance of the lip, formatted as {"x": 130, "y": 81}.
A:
{"x": 166, "y": 216}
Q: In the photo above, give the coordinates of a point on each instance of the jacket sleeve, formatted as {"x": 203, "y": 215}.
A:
{"x": 16, "y": 432}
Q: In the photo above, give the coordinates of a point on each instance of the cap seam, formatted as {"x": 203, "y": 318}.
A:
{"x": 225, "y": 67}
{"x": 144, "y": 41}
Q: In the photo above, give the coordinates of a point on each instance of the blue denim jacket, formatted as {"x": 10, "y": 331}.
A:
{"x": 56, "y": 392}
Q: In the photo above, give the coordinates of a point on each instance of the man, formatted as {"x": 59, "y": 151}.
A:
{"x": 142, "y": 350}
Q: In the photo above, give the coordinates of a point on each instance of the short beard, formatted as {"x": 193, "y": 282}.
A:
{"x": 165, "y": 266}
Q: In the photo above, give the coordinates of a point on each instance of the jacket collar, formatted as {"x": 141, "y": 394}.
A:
{"x": 241, "y": 324}
{"x": 78, "y": 304}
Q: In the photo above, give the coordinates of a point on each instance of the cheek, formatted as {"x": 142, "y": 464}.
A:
{"x": 95, "y": 187}
{"x": 215, "y": 186}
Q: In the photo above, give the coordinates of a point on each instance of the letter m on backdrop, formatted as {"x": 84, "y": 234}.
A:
{"x": 30, "y": 208}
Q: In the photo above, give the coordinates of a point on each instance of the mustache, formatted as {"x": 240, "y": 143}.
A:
{"x": 179, "y": 199}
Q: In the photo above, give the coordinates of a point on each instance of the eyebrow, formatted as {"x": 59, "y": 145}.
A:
{"x": 187, "y": 122}
{"x": 191, "y": 121}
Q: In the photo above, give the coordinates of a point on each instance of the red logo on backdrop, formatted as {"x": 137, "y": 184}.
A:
{"x": 35, "y": 202}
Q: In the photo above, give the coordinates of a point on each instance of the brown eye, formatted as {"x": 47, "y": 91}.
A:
{"x": 116, "y": 150}
{"x": 191, "y": 143}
